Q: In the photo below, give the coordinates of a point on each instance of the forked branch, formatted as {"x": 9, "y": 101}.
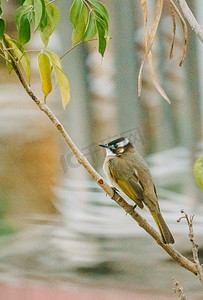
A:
{"x": 178, "y": 290}
{"x": 199, "y": 267}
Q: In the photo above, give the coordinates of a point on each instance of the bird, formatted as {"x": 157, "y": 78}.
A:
{"x": 129, "y": 173}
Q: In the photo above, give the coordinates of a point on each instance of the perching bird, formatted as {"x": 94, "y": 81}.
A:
{"x": 128, "y": 172}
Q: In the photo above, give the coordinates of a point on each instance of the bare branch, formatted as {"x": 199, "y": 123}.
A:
{"x": 191, "y": 19}
{"x": 194, "y": 246}
{"x": 195, "y": 250}
{"x": 178, "y": 290}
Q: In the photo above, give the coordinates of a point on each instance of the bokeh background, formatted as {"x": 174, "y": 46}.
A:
{"x": 60, "y": 236}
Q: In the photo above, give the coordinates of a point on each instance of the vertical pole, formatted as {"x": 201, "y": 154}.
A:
{"x": 126, "y": 64}
{"x": 193, "y": 102}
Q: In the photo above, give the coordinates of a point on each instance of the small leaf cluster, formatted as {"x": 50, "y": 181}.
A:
{"x": 42, "y": 13}
{"x": 89, "y": 17}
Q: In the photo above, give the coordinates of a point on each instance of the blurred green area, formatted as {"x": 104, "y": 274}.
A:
{"x": 5, "y": 228}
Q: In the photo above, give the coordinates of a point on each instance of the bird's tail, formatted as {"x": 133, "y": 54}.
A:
{"x": 163, "y": 228}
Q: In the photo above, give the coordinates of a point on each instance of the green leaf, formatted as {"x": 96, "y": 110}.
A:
{"x": 101, "y": 9}
{"x": 99, "y": 18}
{"x": 45, "y": 72}
{"x": 28, "y": 2}
{"x": 21, "y": 2}
{"x": 40, "y": 14}
{"x": 79, "y": 30}
{"x": 91, "y": 29}
{"x": 2, "y": 28}
{"x": 198, "y": 171}
{"x": 8, "y": 62}
{"x": 53, "y": 17}
{"x": 20, "y": 55}
{"x": 24, "y": 30}
{"x": 43, "y": 22}
{"x": 61, "y": 78}
{"x": 8, "y": 58}
{"x": 75, "y": 12}
{"x": 23, "y": 24}
{"x": 102, "y": 39}
{"x": 23, "y": 57}
{"x": 21, "y": 11}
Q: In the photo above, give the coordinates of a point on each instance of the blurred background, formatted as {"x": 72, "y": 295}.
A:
{"x": 60, "y": 236}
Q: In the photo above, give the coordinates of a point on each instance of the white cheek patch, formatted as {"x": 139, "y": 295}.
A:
{"x": 123, "y": 143}
{"x": 109, "y": 152}
{"x": 121, "y": 150}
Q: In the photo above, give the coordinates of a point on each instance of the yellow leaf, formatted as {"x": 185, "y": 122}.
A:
{"x": 45, "y": 72}
{"x": 19, "y": 53}
{"x": 61, "y": 78}
{"x": 8, "y": 60}
{"x": 63, "y": 84}
{"x": 54, "y": 59}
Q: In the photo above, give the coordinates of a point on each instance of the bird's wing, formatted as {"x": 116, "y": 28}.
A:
{"x": 133, "y": 189}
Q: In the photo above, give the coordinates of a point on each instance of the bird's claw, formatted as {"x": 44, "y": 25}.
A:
{"x": 133, "y": 208}
{"x": 115, "y": 190}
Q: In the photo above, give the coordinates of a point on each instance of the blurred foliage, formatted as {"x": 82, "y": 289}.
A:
{"x": 5, "y": 229}
{"x": 198, "y": 171}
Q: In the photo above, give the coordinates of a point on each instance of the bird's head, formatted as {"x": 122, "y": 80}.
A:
{"x": 117, "y": 147}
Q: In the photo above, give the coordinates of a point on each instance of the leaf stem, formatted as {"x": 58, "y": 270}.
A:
{"x": 79, "y": 43}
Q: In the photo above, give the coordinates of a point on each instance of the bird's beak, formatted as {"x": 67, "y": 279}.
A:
{"x": 104, "y": 145}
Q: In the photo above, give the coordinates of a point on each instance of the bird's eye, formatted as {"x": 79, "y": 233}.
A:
{"x": 120, "y": 150}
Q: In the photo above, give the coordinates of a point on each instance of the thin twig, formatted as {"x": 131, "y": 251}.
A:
{"x": 5, "y": 58}
{"x": 183, "y": 261}
{"x": 178, "y": 290}
{"x": 79, "y": 43}
{"x": 194, "y": 246}
{"x": 191, "y": 19}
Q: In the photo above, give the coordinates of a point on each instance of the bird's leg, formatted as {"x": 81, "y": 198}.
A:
{"x": 115, "y": 189}
{"x": 133, "y": 209}
{"x": 134, "y": 206}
